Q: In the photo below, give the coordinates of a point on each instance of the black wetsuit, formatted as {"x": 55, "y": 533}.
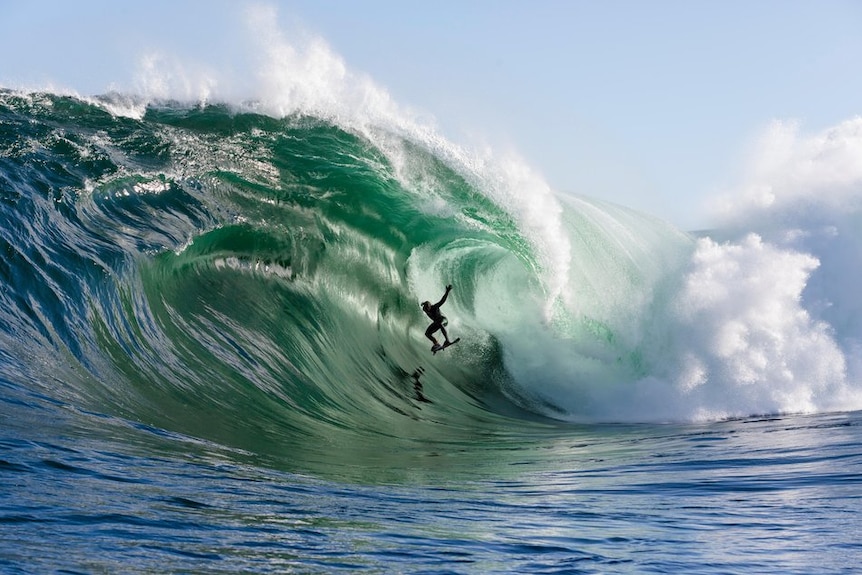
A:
{"x": 438, "y": 319}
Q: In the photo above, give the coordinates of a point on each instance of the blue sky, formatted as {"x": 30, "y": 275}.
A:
{"x": 648, "y": 104}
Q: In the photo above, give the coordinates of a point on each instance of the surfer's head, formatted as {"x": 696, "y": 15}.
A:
{"x": 426, "y": 304}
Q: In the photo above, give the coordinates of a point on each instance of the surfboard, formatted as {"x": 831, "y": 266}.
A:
{"x": 445, "y": 345}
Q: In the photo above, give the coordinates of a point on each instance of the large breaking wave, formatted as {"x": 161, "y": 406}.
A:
{"x": 250, "y": 273}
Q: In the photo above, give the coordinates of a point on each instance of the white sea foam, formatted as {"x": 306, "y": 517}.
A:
{"x": 743, "y": 341}
{"x": 765, "y": 317}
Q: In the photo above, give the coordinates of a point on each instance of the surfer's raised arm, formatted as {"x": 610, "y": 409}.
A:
{"x": 445, "y": 295}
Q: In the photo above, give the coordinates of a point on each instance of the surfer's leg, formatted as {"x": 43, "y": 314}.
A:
{"x": 430, "y": 331}
{"x": 446, "y": 335}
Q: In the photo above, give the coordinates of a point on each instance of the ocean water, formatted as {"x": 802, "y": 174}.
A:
{"x": 212, "y": 356}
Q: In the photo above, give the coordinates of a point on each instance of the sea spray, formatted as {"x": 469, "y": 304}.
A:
{"x": 760, "y": 315}
{"x": 767, "y": 319}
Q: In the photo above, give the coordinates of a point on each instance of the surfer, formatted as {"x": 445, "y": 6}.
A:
{"x": 438, "y": 321}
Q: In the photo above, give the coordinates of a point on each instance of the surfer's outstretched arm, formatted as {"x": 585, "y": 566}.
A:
{"x": 445, "y": 295}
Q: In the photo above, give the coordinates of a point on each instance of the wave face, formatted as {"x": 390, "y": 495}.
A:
{"x": 254, "y": 280}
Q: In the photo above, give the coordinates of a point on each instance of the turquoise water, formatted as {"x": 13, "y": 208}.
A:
{"x": 212, "y": 360}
